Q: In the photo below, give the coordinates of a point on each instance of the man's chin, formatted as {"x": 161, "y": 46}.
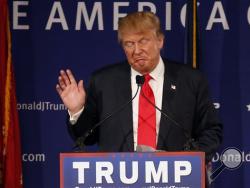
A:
{"x": 139, "y": 64}
{"x": 140, "y": 68}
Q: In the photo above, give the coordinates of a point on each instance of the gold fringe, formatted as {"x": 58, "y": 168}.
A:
{"x": 7, "y": 86}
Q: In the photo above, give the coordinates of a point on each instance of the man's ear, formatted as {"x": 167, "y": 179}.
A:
{"x": 161, "y": 39}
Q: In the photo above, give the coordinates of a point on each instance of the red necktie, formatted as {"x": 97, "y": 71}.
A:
{"x": 147, "y": 116}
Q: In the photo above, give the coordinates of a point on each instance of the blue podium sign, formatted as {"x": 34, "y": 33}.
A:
{"x": 135, "y": 170}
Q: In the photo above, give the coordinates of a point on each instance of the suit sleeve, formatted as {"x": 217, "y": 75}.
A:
{"x": 87, "y": 119}
{"x": 207, "y": 127}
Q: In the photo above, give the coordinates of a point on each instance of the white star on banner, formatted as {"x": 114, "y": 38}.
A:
{"x": 248, "y": 107}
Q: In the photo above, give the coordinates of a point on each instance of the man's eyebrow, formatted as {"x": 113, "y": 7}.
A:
{"x": 143, "y": 37}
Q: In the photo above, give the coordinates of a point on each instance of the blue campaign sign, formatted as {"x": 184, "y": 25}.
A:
{"x": 125, "y": 170}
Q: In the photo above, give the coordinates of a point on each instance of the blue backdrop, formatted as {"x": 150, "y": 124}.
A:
{"x": 81, "y": 35}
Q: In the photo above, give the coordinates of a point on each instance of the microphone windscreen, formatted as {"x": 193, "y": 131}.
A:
{"x": 140, "y": 79}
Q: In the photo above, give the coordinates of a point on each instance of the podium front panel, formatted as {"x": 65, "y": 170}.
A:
{"x": 132, "y": 170}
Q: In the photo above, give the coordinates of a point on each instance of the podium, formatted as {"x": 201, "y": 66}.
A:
{"x": 132, "y": 170}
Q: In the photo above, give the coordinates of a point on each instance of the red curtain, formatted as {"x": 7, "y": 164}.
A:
{"x": 10, "y": 146}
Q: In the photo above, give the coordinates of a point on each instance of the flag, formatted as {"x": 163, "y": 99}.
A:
{"x": 192, "y": 52}
{"x": 10, "y": 146}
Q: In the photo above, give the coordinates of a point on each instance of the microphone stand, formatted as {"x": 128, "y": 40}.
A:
{"x": 79, "y": 143}
{"x": 190, "y": 144}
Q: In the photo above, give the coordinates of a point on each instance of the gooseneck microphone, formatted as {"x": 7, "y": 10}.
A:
{"x": 79, "y": 143}
{"x": 140, "y": 80}
{"x": 190, "y": 144}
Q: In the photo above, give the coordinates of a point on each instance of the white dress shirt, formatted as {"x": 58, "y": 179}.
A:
{"x": 157, "y": 86}
{"x": 156, "y": 83}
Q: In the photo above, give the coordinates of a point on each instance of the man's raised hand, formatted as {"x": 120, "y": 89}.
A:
{"x": 72, "y": 93}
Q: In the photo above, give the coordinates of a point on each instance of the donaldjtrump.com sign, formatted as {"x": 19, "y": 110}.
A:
{"x": 132, "y": 170}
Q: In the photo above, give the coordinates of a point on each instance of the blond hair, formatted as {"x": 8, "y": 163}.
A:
{"x": 139, "y": 22}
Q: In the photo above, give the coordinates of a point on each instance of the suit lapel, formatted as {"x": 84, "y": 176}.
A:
{"x": 123, "y": 94}
{"x": 169, "y": 89}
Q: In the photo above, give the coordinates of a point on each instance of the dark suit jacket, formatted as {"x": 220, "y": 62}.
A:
{"x": 189, "y": 104}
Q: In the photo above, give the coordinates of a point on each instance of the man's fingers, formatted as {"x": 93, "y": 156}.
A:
{"x": 59, "y": 89}
{"x": 80, "y": 86}
{"x": 65, "y": 77}
{"x": 71, "y": 77}
{"x": 61, "y": 82}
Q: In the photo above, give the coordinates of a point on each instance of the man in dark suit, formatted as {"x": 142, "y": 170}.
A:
{"x": 179, "y": 91}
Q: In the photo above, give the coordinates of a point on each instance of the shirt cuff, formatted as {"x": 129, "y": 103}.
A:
{"x": 74, "y": 117}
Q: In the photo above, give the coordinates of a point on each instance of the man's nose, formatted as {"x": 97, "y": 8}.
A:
{"x": 137, "y": 48}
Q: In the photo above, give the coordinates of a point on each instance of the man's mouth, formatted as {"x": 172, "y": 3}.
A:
{"x": 140, "y": 60}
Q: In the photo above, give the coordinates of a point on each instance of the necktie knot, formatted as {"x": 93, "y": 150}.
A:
{"x": 147, "y": 78}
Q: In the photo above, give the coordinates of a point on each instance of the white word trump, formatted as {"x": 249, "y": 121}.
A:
{"x": 152, "y": 173}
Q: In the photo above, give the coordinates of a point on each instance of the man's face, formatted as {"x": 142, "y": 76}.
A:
{"x": 142, "y": 50}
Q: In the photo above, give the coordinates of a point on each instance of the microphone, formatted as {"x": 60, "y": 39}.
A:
{"x": 79, "y": 143}
{"x": 190, "y": 144}
{"x": 140, "y": 80}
